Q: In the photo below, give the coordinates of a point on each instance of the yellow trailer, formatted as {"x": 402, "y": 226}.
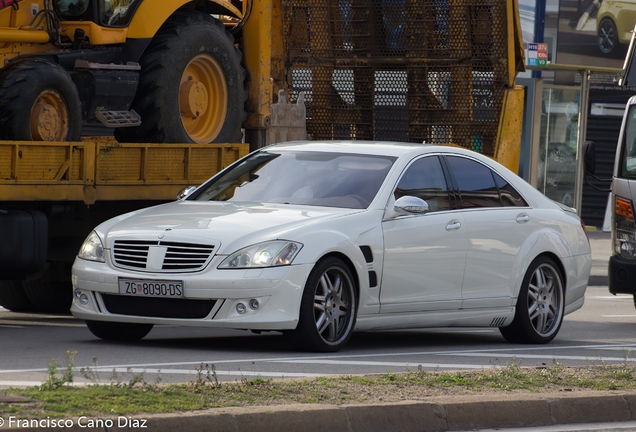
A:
{"x": 77, "y": 185}
{"x": 93, "y": 171}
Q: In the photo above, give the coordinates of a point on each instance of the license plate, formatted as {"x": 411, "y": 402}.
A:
{"x": 151, "y": 288}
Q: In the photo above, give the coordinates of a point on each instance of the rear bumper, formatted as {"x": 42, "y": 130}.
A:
{"x": 622, "y": 275}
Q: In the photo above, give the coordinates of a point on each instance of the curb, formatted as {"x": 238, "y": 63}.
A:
{"x": 445, "y": 413}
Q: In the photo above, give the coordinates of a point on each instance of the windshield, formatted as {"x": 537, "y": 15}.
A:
{"x": 308, "y": 178}
{"x": 628, "y": 162}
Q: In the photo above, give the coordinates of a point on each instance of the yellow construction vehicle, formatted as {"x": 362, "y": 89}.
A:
{"x": 193, "y": 72}
{"x": 168, "y": 62}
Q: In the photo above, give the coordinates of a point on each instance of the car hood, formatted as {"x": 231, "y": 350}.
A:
{"x": 227, "y": 225}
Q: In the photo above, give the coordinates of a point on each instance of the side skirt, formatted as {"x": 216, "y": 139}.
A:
{"x": 491, "y": 317}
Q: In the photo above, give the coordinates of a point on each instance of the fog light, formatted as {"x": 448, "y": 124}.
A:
{"x": 83, "y": 299}
{"x": 240, "y": 308}
{"x": 77, "y": 294}
{"x": 254, "y": 304}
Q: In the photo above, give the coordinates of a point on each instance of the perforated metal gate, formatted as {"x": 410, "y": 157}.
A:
{"x": 429, "y": 71}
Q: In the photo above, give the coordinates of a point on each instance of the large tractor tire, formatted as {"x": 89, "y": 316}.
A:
{"x": 14, "y": 298}
{"x": 192, "y": 84}
{"x": 49, "y": 296}
{"x": 38, "y": 102}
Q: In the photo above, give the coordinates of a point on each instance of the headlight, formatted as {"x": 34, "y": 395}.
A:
{"x": 92, "y": 249}
{"x": 268, "y": 254}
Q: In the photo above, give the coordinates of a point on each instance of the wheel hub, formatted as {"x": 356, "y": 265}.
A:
{"x": 332, "y": 306}
{"x": 193, "y": 98}
{"x": 203, "y": 99}
{"x": 49, "y": 118}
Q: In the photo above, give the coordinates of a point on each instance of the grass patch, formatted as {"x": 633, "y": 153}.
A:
{"x": 57, "y": 397}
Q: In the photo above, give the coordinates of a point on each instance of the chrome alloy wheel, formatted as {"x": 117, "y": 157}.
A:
{"x": 545, "y": 300}
{"x": 334, "y": 305}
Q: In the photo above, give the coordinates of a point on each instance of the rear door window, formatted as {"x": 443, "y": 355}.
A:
{"x": 475, "y": 182}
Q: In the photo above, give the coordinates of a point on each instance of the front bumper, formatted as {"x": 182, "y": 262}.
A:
{"x": 278, "y": 291}
{"x": 621, "y": 275}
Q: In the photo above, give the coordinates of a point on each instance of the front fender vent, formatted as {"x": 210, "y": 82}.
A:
{"x": 368, "y": 255}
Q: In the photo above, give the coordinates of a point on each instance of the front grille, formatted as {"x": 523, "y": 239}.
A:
{"x": 132, "y": 253}
{"x": 185, "y": 256}
{"x": 158, "y": 307}
{"x": 161, "y": 256}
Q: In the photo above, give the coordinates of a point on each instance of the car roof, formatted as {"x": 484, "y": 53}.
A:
{"x": 378, "y": 148}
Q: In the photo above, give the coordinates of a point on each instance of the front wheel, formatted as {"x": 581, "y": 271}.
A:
{"x": 118, "y": 331}
{"x": 328, "y": 308}
{"x": 192, "y": 84}
{"x": 38, "y": 102}
{"x": 540, "y": 306}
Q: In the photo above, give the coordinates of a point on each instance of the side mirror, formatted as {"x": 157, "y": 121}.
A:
{"x": 590, "y": 157}
{"x": 183, "y": 193}
{"x": 410, "y": 205}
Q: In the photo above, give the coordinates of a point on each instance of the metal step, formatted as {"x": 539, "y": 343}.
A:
{"x": 118, "y": 119}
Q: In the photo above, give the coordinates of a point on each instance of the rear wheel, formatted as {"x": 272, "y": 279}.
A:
{"x": 540, "y": 306}
{"x": 39, "y": 102}
{"x": 118, "y": 331}
{"x": 50, "y": 296}
{"x": 14, "y": 298}
{"x": 192, "y": 84}
{"x": 328, "y": 308}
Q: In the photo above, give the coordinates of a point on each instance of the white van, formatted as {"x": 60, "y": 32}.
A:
{"x": 622, "y": 263}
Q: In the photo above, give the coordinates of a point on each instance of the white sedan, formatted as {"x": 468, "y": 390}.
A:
{"x": 321, "y": 239}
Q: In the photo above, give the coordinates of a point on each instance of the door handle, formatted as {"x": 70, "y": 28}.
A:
{"x": 453, "y": 225}
{"x": 523, "y": 218}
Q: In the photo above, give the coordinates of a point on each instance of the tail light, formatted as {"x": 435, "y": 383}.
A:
{"x": 624, "y": 228}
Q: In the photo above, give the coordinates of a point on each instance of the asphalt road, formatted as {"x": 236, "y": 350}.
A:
{"x": 602, "y": 331}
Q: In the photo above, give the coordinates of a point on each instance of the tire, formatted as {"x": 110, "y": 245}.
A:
{"x": 14, "y": 298}
{"x": 192, "y": 85}
{"x": 118, "y": 331}
{"x": 38, "y": 102}
{"x": 49, "y": 296}
{"x": 607, "y": 36}
{"x": 538, "y": 322}
{"x": 321, "y": 293}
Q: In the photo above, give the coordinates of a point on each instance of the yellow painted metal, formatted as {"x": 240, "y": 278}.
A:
{"x": 49, "y": 117}
{"x": 516, "y": 52}
{"x": 257, "y": 55}
{"x": 151, "y": 15}
{"x": 98, "y": 35}
{"x": 23, "y": 36}
{"x": 203, "y": 99}
{"x": 508, "y": 148}
{"x": 106, "y": 171}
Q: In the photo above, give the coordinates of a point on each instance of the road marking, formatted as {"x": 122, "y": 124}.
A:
{"x": 120, "y": 370}
{"x": 550, "y": 357}
{"x": 476, "y": 352}
{"x": 39, "y": 323}
{"x": 239, "y": 373}
{"x": 396, "y": 364}
{"x": 618, "y": 316}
